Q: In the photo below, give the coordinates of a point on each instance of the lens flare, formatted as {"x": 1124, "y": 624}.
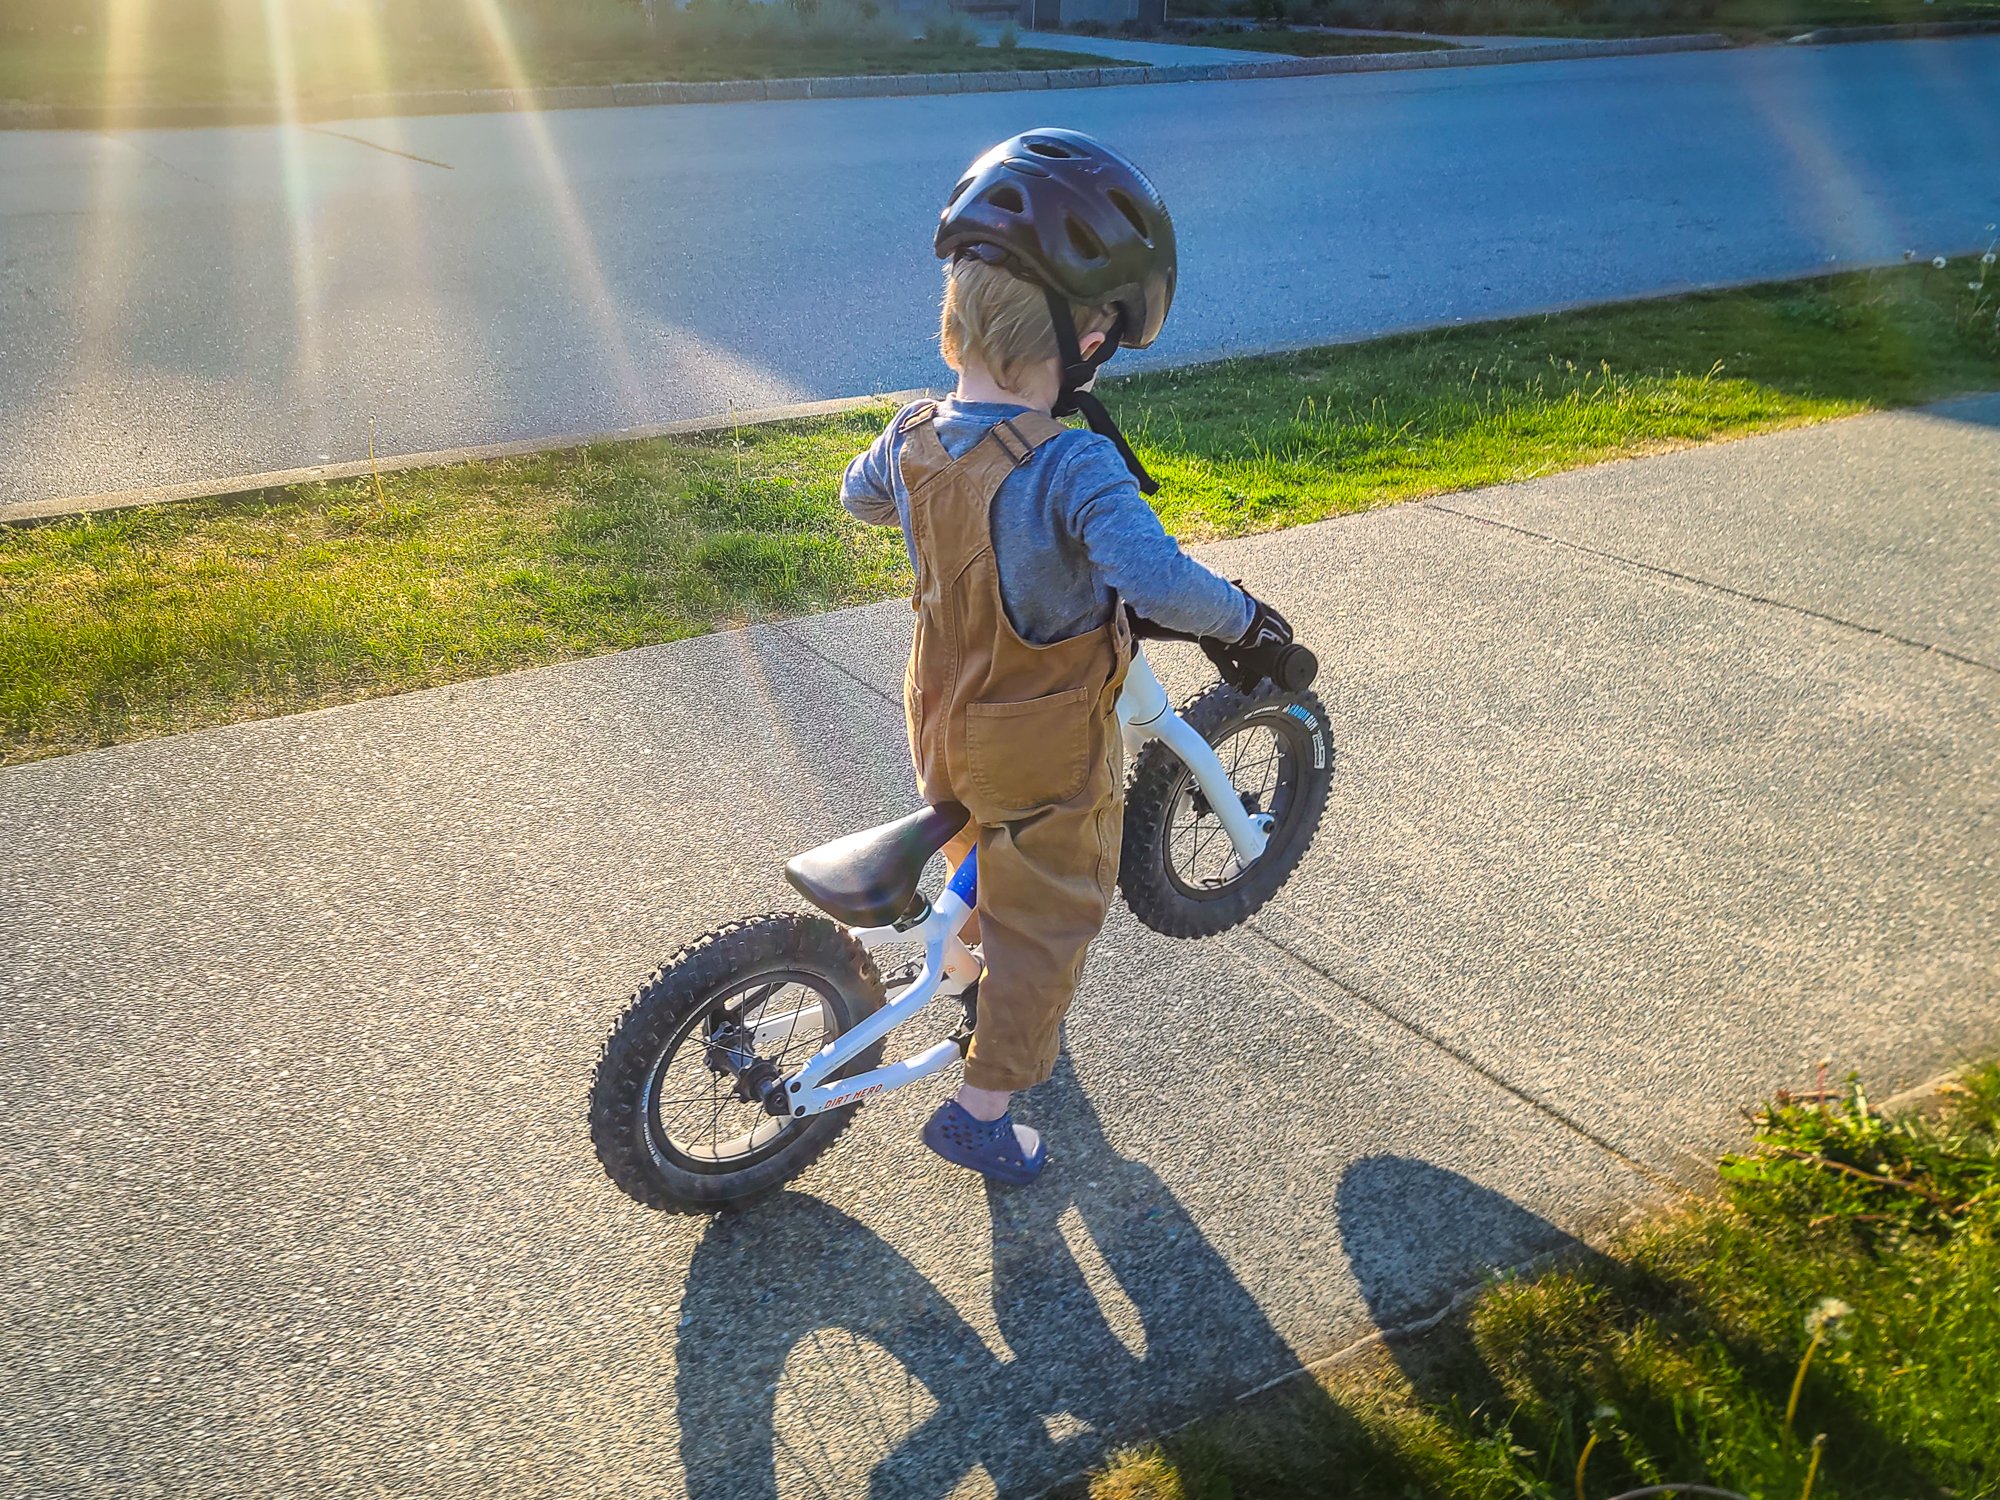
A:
{"x": 578, "y": 242}
{"x": 298, "y": 190}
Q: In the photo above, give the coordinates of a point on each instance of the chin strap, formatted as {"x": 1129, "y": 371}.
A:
{"x": 1078, "y": 372}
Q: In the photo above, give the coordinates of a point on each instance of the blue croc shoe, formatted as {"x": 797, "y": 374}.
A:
{"x": 988, "y": 1147}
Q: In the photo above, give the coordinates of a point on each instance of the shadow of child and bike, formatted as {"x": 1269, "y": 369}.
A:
{"x": 815, "y": 1359}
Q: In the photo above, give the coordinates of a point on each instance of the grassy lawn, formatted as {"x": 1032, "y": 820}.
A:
{"x": 1746, "y": 19}
{"x": 74, "y": 70}
{"x": 1787, "y": 17}
{"x": 343, "y": 53}
{"x": 1849, "y": 1265}
{"x": 150, "y": 621}
{"x": 1306, "y": 43}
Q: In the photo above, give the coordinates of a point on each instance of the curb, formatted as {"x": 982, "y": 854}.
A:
{"x": 616, "y": 95}
{"x": 1912, "y": 31}
{"x": 20, "y": 512}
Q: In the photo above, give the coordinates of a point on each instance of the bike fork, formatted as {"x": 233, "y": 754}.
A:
{"x": 1144, "y": 714}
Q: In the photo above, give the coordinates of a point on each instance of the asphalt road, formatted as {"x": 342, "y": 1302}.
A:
{"x": 181, "y": 304}
{"x": 1659, "y": 782}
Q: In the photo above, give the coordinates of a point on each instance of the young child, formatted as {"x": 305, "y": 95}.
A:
{"x": 1025, "y": 535}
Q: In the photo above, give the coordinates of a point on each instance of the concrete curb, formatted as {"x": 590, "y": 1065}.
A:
{"x": 616, "y": 95}
{"x": 21, "y": 512}
{"x": 1913, "y": 31}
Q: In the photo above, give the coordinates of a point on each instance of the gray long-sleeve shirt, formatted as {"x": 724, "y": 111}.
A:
{"x": 1071, "y": 533}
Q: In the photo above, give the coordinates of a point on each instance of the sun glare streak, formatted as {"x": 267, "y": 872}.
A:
{"x": 100, "y": 290}
{"x": 364, "y": 41}
{"x": 1851, "y": 222}
{"x": 298, "y": 203}
{"x": 578, "y": 241}
{"x": 125, "y": 23}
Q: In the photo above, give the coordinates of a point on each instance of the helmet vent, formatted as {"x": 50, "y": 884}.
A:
{"x": 1008, "y": 198}
{"x": 958, "y": 192}
{"x": 1055, "y": 149}
{"x": 1082, "y": 240}
{"x": 1127, "y": 207}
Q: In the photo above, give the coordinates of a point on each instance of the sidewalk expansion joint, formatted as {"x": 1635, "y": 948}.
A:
{"x": 119, "y": 137}
{"x": 341, "y": 135}
{"x": 784, "y": 629}
{"x": 1262, "y": 933}
{"x": 1721, "y": 588}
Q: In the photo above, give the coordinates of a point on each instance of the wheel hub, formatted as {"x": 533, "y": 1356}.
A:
{"x": 730, "y": 1051}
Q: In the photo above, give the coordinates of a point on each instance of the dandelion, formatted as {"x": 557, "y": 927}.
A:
{"x": 1823, "y": 1323}
{"x": 1909, "y": 255}
{"x": 1827, "y": 1316}
{"x": 1988, "y": 258}
{"x": 1937, "y": 264}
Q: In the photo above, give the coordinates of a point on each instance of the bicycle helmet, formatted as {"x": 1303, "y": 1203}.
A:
{"x": 1076, "y": 216}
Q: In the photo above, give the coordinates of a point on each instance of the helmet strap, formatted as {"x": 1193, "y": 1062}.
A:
{"x": 1078, "y": 372}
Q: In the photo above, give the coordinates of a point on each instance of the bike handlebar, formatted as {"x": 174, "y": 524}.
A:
{"x": 1292, "y": 668}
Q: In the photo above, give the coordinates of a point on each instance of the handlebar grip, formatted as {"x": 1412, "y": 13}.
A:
{"x": 1295, "y": 668}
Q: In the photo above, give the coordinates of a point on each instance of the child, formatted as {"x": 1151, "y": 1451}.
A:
{"x": 1025, "y": 535}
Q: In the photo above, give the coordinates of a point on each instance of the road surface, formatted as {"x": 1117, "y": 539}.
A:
{"x": 187, "y": 304}
{"x": 1658, "y": 783}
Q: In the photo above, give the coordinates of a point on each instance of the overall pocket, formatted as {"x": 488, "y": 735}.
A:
{"x": 1029, "y": 755}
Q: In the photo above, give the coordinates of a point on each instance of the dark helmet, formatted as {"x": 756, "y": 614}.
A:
{"x": 1076, "y": 216}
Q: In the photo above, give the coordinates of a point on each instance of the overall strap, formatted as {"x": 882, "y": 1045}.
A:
{"x": 951, "y": 499}
{"x": 985, "y": 467}
{"x": 923, "y": 457}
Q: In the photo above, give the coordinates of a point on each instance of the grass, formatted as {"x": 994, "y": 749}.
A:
{"x": 1678, "y": 1355}
{"x": 1306, "y": 43}
{"x": 73, "y": 70}
{"x": 155, "y": 620}
{"x": 1744, "y": 19}
{"x": 342, "y": 52}
{"x": 1789, "y": 17}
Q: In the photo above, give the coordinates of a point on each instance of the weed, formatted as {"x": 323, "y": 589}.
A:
{"x": 1700, "y": 1350}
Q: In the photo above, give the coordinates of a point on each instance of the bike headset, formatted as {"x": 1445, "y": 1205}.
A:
{"x": 1064, "y": 211}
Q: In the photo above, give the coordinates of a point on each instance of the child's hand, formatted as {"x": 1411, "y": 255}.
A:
{"x": 1268, "y": 629}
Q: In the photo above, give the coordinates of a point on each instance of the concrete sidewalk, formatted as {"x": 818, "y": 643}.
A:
{"x": 1658, "y": 783}
{"x": 1160, "y": 54}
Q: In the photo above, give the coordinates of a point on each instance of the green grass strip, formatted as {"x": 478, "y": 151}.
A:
{"x": 76, "y": 70}
{"x": 1838, "y": 1295}
{"x": 156, "y": 620}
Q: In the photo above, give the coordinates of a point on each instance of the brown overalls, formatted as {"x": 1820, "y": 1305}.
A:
{"x": 1025, "y": 736}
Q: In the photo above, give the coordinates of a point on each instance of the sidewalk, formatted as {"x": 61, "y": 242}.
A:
{"x": 1131, "y": 49}
{"x": 1659, "y": 782}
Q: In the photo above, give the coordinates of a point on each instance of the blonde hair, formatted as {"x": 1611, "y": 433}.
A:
{"x": 994, "y": 318}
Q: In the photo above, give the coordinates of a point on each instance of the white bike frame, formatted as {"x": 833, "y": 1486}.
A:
{"x": 948, "y": 967}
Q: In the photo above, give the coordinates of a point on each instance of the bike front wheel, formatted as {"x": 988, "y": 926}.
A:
{"x": 1179, "y": 872}
{"x": 676, "y": 1109}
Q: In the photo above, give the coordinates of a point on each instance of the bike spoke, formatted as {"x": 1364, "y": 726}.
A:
{"x": 1199, "y": 850}
{"x": 797, "y": 1015}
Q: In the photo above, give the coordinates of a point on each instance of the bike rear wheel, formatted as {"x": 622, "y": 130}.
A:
{"x": 1179, "y": 872}
{"x": 676, "y": 1111}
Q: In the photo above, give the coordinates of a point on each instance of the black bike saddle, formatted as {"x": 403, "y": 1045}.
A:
{"x": 869, "y": 879}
